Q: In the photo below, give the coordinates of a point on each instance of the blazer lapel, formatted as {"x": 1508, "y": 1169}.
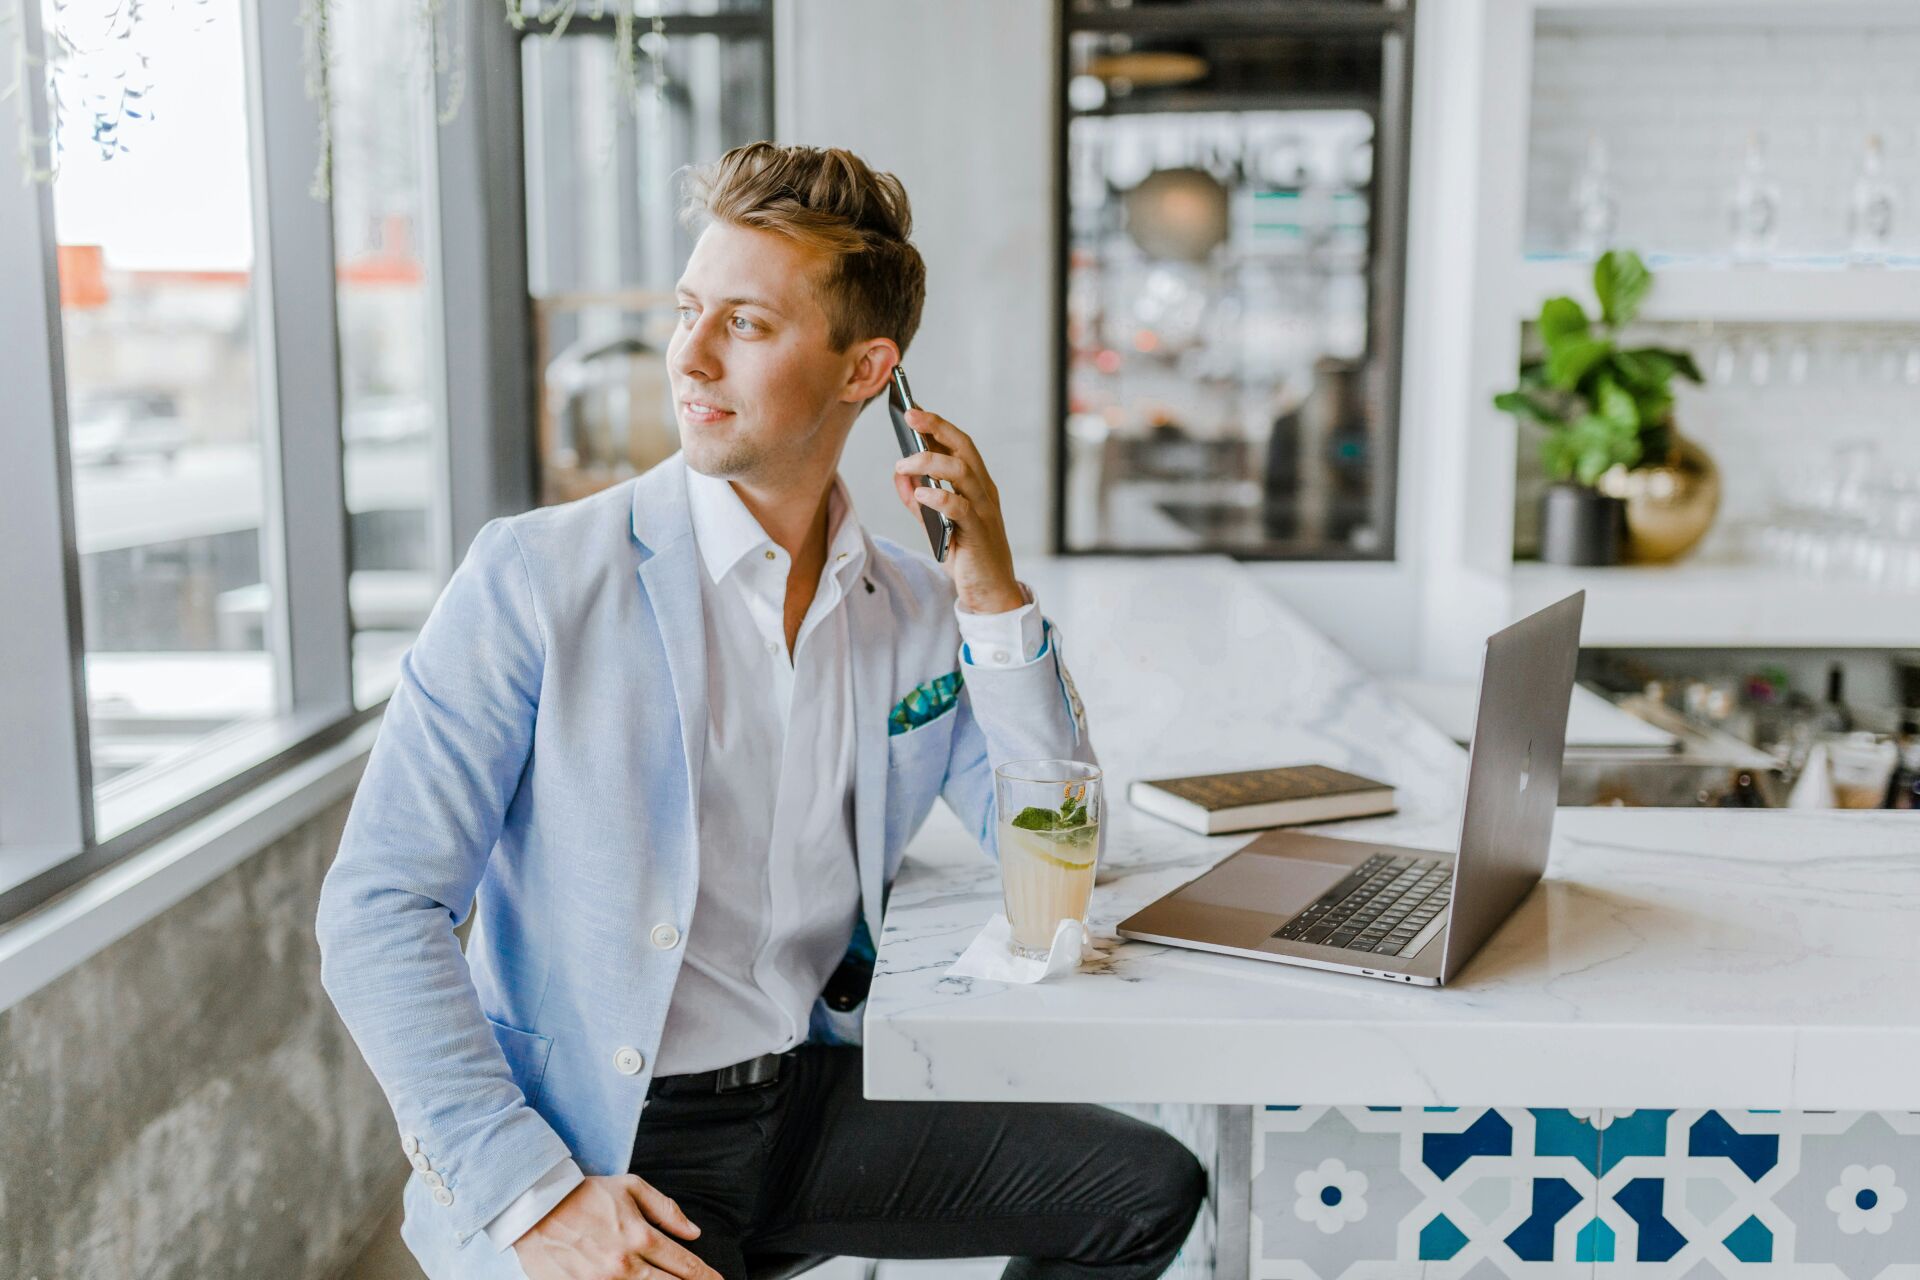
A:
{"x": 871, "y": 629}
{"x": 669, "y": 571}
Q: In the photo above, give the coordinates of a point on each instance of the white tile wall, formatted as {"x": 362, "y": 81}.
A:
{"x": 1675, "y": 105}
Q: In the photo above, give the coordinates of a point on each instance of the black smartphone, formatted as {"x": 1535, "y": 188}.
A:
{"x": 899, "y": 400}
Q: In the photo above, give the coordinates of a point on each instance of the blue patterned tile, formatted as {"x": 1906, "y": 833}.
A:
{"x": 1585, "y": 1194}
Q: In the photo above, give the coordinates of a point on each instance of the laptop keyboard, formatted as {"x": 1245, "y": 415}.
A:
{"x": 1391, "y": 904}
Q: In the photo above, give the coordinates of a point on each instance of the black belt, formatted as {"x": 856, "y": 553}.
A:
{"x": 754, "y": 1073}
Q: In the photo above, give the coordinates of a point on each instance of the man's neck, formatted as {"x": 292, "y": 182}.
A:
{"x": 795, "y": 517}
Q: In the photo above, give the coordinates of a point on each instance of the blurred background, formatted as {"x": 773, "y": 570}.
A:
{"x": 297, "y": 297}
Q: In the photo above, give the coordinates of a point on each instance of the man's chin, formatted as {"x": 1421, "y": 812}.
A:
{"x": 718, "y": 457}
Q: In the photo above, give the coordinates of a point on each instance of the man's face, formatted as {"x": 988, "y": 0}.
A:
{"x": 756, "y": 387}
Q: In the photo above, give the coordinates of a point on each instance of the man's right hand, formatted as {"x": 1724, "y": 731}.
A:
{"x": 611, "y": 1229}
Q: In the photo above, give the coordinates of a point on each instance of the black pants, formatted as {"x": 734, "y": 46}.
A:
{"x": 807, "y": 1165}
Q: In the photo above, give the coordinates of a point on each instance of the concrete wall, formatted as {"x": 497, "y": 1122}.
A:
{"x": 187, "y": 1104}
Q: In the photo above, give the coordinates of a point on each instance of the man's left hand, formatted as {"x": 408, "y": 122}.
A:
{"x": 978, "y": 558}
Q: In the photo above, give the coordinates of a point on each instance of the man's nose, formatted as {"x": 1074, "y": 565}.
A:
{"x": 692, "y": 354}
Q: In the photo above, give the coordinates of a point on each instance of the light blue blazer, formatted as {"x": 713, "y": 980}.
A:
{"x": 540, "y": 760}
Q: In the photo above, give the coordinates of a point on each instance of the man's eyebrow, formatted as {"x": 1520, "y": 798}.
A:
{"x": 737, "y": 301}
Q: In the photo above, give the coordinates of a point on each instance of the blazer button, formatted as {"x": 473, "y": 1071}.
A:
{"x": 432, "y": 1178}
{"x": 627, "y": 1060}
{"x": 409, "y": 1144}
{"x": 419, "y": 1161}
{"x": 442, "y": 1197}
{"x": 664, "y": 936}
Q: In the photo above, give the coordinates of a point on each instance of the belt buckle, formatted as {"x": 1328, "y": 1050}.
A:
{"x": 751, "y": 1074}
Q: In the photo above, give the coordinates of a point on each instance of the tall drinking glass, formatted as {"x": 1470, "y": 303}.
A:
{"x": 1049, "y": 813}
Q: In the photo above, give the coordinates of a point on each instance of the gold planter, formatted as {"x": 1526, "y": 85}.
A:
{"x": 1670, "y": 504}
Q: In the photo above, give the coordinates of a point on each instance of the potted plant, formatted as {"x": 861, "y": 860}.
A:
{"x": 1607, "y": 410}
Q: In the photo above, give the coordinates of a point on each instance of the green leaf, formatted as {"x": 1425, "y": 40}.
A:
{"x": 1571, "y": 360}
{"x": 1620, "y": 281}
{"x": 1557, "y": 455}
{"x": 1560, "y": 319}
{"x": 1682, "y": 362}
{"x": 1525, "y": 407}
{"x": 1034, "y": 818}
{"x": 1614, "y": 406}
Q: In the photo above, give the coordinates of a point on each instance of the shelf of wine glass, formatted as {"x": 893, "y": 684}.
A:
{"x": 1695, "y": 604}
{"x": 1793, "y": 290}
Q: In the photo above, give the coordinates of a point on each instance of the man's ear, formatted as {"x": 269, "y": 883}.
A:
{"x": 873, "y": 364}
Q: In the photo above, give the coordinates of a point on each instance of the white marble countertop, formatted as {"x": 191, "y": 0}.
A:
{"x": 1683, "y": 958}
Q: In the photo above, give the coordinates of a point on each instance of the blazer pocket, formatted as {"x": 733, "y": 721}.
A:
{"x": 526, "y": 1054}
{"x": 925, "y": 703}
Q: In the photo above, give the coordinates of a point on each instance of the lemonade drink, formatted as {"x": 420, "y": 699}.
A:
{"x": 1048, "y": 877}
{"x": 1046, "y": 870}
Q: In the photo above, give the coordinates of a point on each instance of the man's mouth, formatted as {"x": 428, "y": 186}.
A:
{"x": 701, "y": 411}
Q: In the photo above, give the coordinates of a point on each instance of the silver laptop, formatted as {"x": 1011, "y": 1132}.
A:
{"x": 1387, "y": 911}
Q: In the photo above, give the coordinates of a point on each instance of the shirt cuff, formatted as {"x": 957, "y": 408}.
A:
{"x": 1009, "y": 639}
{"x": 533, "y": 1204}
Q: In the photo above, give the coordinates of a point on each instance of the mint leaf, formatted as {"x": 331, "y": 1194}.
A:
{"x": 1034, "y": 818}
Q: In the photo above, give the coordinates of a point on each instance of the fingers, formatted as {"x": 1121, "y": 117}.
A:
{"x": 954, "y": 506}
{"x": 903, "y": 485}
{"x": 660, "y": 1207}
{"x": 665, "y": 1258}
{"x": 952, "y": 439}
{"x": 940, "y": 466}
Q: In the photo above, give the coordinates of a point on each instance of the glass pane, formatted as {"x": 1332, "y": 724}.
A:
{"x": 1226, "y": 389}
{"x": 153, "y": 218}
{"x": 391, "y": 414}
{"x": 605, "y": 246}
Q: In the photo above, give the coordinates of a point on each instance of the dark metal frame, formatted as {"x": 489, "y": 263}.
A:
{"x": 1392, "y": 22}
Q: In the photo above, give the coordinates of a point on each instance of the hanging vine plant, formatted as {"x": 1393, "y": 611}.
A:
{"x": 442, "y": 39}
{"x": 106, "y": 79}
{"x": 92, "y": 69}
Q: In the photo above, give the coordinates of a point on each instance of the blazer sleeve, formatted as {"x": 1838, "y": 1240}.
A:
{"x": 1028, "y": 711}
{"x": 454, "y": 743}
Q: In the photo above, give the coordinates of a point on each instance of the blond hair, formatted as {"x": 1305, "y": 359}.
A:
{"x": 826, "y": 199}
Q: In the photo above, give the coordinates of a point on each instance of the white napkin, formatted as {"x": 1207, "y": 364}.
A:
{"x": 987, "y": 955}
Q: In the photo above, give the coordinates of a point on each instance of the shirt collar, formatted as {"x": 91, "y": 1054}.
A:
{"x": 727, "y": 532}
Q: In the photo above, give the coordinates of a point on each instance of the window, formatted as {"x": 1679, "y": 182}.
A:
{"x": 604, "y": 243}
{"x": 1233, "y": 202}
{"x": 226, "y": 399}
{"x": 392, "y": 414}
{"x": 157, "y": 308}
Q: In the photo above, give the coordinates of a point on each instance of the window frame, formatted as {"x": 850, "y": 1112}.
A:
{"x": 1392, "y": 21}
{"x": 55, "y": 832}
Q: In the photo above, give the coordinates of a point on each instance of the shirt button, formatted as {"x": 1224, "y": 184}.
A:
{"x": 770, "y": 555}
{"x": 432, "y": 1178}
{"x": 409, "y": 1144}
{"x": 627, "y": 1060}
{"x": 442, "y": 1197}
{"x": 664, "y": 936}
{"x": 1000, "y": 656}
{"x": 419, "y": 1161}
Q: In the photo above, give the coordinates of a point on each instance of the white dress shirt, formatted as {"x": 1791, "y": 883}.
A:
{"x": 779, "y": 890}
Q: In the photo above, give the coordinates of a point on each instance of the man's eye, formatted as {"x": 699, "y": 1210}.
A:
{"x": 742, "y": 320}
{"x": 685, "y": 312}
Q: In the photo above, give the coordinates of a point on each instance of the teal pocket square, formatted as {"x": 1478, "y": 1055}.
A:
{"x": 925, "y": 703}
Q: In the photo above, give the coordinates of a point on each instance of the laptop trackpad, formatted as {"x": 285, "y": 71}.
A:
{"x": 1265, "y": 883}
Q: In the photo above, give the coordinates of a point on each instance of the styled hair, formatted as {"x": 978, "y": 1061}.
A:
{"x": 827, "y": 199}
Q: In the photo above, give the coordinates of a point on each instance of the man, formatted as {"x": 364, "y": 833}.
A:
{"x": 675, "y": 737}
